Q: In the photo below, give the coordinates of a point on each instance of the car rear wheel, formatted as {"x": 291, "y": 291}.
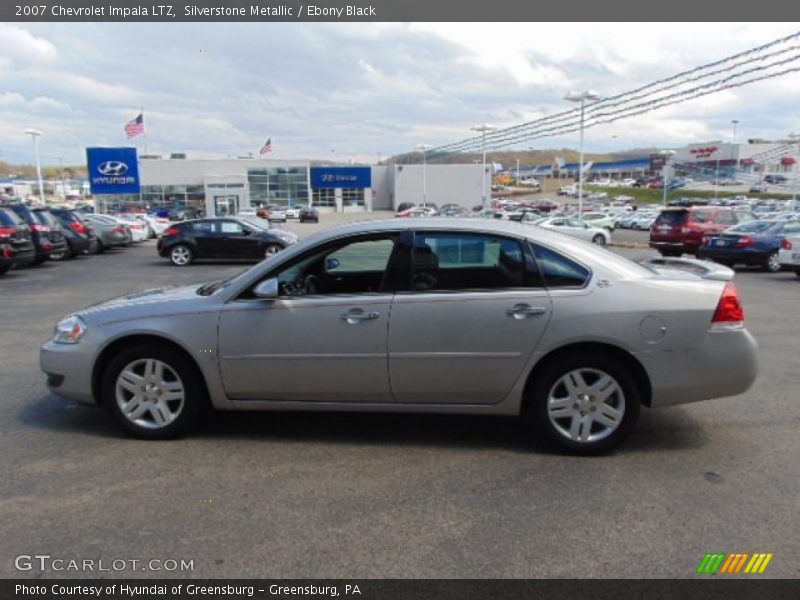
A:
{"x": 669, "y": 253}
{"x": 772, "y": 264}
{"x": 181, "y": 255}
{"x": 153, "y": 392}
{"x": 584, "y": 404}
{"x": 599, "y": 239}
{"x": 271, "y": 250}
{"x": 4, "y": 269}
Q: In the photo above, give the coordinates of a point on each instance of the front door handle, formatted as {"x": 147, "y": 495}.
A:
{"x": 355, "y": 315}
{"x": 520, "y": 311}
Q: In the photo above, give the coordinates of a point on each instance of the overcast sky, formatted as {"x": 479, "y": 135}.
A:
{"x": 351, "y": 91}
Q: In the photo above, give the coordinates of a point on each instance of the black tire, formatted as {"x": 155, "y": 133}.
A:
{"x": 195, "y": 397}
{"x": 181, "y": 255}
{"x": 37, "y": 261}
{"x": 4, "y": 269}
{"x": 797, "y": 273}
{"x": 599, "y": 239}
{"x": 96, "y": 247}
{"x": 669, "y": 253}
{"x": 539, "y": 421}
{"x": 772, "y": 264}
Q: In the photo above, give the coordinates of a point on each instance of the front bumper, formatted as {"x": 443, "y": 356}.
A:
{"x": 69, "y": 369}
{"x": 725, "y": 364}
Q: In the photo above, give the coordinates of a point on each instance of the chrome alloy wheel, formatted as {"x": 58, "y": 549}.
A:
{"x": 586, "y": 405}
{"x": 271, "y": 250}
{"x": 181, "y": 255}
{"x": 149, "y": 393}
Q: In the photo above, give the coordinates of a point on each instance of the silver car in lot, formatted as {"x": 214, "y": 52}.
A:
{"x": 424, "y": 315}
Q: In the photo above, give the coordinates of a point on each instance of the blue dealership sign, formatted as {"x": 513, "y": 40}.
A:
{"x": 341, "y": 177}
{"x": 113, "y": 170}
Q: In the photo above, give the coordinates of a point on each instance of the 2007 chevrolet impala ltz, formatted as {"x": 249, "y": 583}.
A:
{"x": 435, "y": 315}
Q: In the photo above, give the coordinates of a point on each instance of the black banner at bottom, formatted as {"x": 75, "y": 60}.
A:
{"x": 397, "y": 589}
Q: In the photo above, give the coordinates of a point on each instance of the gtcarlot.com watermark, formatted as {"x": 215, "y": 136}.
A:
{"x": 46, "y": 562}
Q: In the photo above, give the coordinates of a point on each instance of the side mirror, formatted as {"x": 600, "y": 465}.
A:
{"x": 267, "y": 289}
{"x": 247, "y": 231}
{"x": 331, "y": 264}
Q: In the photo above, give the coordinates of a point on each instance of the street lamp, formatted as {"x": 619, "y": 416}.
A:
{"x": 666, "y": 154}
{"x": 35, "y": 133}
{"x": 581, "y": 97}
{"x": 424, "y": 149}
{"x": 796, "y": 137}
{"x": 734, "y": 162}
{"x": 483, "y": 129}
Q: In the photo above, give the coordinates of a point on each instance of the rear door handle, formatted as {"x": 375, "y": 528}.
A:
{"x": 355, "y": 315}
{"x": 520, "y": 311}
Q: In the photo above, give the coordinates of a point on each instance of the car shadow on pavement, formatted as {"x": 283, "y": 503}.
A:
{"x": 665, "y": 430}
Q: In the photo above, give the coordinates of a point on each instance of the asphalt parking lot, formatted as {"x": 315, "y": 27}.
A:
{"x": 364, "y": 495}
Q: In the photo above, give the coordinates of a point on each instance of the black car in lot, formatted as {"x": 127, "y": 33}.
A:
{"x": 47, "y": 239}
{"x": 222, "y": 238}
{"x": 308, "y": 214}
{"x": 16, "y": 246}
{"x": 78, "y": 234}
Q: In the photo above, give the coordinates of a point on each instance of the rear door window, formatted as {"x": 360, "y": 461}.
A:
{"x": 701, "y": 216}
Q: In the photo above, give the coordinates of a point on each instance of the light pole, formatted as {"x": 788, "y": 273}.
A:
{"x": 666, "y": 154}
{"x": 734, "y": 161}
{"x": 424, "y": 149}
{"x": 581, "y": 97}
{"x": 796, "y": 137}
{"x": 517, "y": 181}
{"x": 483, "y": 129}
{"x": 35, "y": 133}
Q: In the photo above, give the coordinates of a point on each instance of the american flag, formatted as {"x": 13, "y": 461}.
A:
{"x": 135, "y": 127}
{"x": 267, "y": 147}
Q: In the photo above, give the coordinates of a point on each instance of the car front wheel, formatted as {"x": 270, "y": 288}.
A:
{"x": 153, "y": 392}
{"x": 599, "y": 239}
{"x": 584, "y": 404}
{"x": 181, "y": 255}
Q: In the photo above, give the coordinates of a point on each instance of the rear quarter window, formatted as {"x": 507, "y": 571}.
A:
{"x": 557, "y": 270}
{"x": 8, "y": 218}
{"x": 671, "y": 217}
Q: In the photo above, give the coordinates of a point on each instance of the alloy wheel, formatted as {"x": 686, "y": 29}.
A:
{"x": 181, "y": 255}
{"x": 150, "y": 393}
{"x": 586, "y": 405}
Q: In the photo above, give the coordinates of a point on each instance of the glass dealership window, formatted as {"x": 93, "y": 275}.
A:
{"x": 352, "y": 197}
{"x": 324, "y": 197}
{"x": 278, "y": 185}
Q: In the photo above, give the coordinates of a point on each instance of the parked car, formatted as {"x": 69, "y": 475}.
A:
{"x": 598, "y": 219}
{"x": 417, "y": 212}
{"x": 156, "y": 224}
{"x": 577, "y": 338}
{"x": 80, "y": 237}
{"x": 137, "y": 226}
{"x": 110, "y": 232}
{"x": 404, "y": 206}
{"x": 293, "y": 211}
{"x": 47, "y": 239}
{"x": 16, "y": 245}
{"x": 679, "y": 231}
{"x": 643, "y": 220}
{"x": 751, "y": 243}
{"x": 577, "y": 228}
{"x": 789, "y": 253}
{"x": 272, "y": 212}
{"x": 308, "y": 214}
{"x": 221, "y": 238}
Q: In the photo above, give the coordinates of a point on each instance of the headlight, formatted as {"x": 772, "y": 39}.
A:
{"x": 69, "y": 331}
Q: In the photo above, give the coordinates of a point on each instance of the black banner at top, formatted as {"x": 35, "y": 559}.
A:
{"x": 392, "y": 10}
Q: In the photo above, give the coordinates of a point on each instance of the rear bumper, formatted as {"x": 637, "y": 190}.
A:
{"x": 743, "y": 256}
{"x": 725, "y": 365}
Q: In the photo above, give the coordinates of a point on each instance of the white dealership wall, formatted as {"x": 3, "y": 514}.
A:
{"x": 445, "y": 184}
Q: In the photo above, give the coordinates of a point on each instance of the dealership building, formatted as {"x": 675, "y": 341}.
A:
{"x": 227, "y": 186}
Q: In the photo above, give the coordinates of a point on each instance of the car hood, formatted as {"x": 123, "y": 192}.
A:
{"x": 158, "y": 301}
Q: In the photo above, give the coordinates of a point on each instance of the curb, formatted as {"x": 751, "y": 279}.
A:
{"x": 637, "y": 245}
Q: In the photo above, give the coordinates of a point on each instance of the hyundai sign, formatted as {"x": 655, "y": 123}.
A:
{"x": 341, "y": 177}
{"x": 113, "y": 170}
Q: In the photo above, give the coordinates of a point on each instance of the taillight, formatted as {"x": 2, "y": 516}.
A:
{"x": 40, "y": 228}
{"x": 745, "y": 242}
{"x": 729, "y": 309}
{"x": 78, "y": 227}
{"x": 786, "y": 245}
{"x": 7, "y": 252}
{"x": 6, "y": 233}
{"x": 171, "y": 231}
{"x": 119, "y": 229}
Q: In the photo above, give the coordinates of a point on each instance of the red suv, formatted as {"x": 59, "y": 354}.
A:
{"x": 680, "y": 230}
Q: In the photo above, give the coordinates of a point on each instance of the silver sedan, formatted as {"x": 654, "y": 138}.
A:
{"x": 425, "y": 315}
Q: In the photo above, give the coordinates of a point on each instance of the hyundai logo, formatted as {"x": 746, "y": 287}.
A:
{"x": 112, "y": 168}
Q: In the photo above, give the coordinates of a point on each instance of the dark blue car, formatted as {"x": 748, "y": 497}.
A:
{"x": 750, "y": 243}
